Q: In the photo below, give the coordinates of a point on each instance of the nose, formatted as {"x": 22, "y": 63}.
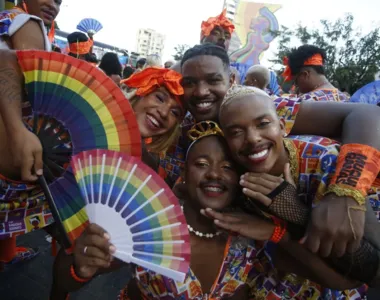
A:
{"x": 163, "y": 110}
{"x": 213, "y": 173}
{"x": 253, "y": 136}
{"x": 201, "y": 90}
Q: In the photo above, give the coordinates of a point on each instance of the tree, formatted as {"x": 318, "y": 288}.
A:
{"x": 180, "y": 51}
{"x": 352, "y": 58}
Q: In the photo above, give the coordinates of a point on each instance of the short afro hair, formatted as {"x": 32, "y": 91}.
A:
{"x": 207, "y": 49}
{"x": 298, "y": 56}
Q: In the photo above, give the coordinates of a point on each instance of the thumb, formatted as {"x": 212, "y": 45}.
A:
{"x": 288, "y": 175}
{"x": 38, "y": 162}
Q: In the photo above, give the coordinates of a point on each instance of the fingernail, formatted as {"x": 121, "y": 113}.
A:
{"x": 208, "y": 209}
{"x": 202, "y": 211}
{"x": 112, "y": 249}
{"x": 107, "y": 236}
{"x": 40, "y": 172}
{"x": 216, "y": 221}
{"x": 241, "y": 182}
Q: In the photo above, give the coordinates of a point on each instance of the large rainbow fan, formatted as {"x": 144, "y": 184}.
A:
{"x": 90, "y": 26}
{"x": 139, "y": 211}
{"x": 76, "y": 107}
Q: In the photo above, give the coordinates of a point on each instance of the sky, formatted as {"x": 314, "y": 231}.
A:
{"x": 179, "y": 20}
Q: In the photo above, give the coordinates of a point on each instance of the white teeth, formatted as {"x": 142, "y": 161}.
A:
{"x": 204, "y": 104}
{"x": 154, "y": 121}
{"x": 213, "y": 189}
{"x": 259, "y": 155}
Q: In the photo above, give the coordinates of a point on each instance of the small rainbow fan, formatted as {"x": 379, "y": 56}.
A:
{"x": 76, "y": 107}
{"x": 136, "y": 207}
{"x": 90, "y": 26}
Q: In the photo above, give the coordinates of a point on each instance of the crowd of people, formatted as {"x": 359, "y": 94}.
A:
{"x": 280, "y": 191}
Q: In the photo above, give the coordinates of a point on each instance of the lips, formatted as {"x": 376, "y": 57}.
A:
{"x": 258, "y": 154}
{"x": 48, "y": 15}
{"x": 153, "y": 123}
{"x": 204, "y": 106}
{"x": 213, "y": 189}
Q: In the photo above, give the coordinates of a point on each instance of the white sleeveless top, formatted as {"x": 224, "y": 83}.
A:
{"x": 12, "y": 20}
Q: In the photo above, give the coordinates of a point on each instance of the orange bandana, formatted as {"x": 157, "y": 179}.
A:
{"x": 150, "y": 79}
{"x": 211, "y": 23}
{"x": 315, "y": 60}
{"x": 81, "y": 48}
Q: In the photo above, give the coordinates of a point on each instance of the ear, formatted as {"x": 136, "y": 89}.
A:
{"x": 232, "y": 78}
{"x": 283, "y": 127}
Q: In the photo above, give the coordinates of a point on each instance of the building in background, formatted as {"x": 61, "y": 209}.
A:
{"x": 148, "y": 41}
{"x": 231, "y": 6}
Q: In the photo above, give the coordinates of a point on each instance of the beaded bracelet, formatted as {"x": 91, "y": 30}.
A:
{"x": 278, "y": 232}
{"x": 76, "y": 277}
{"x": 356, "y": 170}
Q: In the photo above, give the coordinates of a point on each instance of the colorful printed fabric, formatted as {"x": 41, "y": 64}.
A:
{"x": 313, "y": 160}
{"x": 174, "y": 161}
{"x": 320, "y": 95}
{"x": 23, "y": 208}
{"x": 241, "y": 260}
{"x": 22, "y": 205}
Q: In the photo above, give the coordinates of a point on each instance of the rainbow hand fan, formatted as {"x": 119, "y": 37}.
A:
{"x": 90, "y": 26}
{"x": 139, "y": 211}
{"x": 76, "y": 107}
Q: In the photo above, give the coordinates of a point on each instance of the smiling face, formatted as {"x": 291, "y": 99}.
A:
{"x": 157, "y": 113}
{"x": 254, "y": 133}
{"x": 219, "y": 37}
{"x": 211, "y": 176}
{"x": 47, "y": 10}
{"x": 206, "y": 80}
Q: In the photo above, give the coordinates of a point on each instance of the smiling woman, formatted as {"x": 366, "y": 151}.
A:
{"x": 157, "y": 103}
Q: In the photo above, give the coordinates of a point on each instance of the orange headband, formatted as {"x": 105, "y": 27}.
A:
{"x": 80, "y": 48}
{"x": 150, "y": 79}
{"x": 211, "y": 23}
{"x": 315, "y": 60}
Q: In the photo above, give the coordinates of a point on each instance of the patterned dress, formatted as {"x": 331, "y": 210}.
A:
{"x": 243, "y": 260}
{"x": 313, "y": 161}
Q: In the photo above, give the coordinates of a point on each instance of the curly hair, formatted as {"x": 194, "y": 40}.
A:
{"x": 207, "y": 49}
{"x": 298, "y": 56}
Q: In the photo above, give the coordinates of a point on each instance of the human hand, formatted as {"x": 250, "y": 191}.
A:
{"x": 259, "y": 185}
{"x": 92, "y": 251}
{"x": 336, "y": 226}
{"x": 27, "y": 152}
{"x": 250, "y": 226}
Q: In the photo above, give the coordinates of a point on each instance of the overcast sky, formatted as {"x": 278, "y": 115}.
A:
{"x": 179, "y": 20}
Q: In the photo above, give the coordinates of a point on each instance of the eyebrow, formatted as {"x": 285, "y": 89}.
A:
{"x": 231, "y": 126}
{"x": 207, "y": 75}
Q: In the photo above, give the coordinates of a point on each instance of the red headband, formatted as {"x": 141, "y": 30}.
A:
{"x": 81, "y": 48}
{"x": 315, "y": 60}
{"x": 150, "y": 79}
{"x": 211, "y": 23}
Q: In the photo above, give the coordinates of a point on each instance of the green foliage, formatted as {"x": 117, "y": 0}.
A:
{"x": 352, "y": 58}
{"x": 180, "y": 51}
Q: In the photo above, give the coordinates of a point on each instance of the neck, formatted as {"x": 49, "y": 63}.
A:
{"x": 283, "y": 159}
{"x": 321, "y": 81}
{"x": 197, "y": 221}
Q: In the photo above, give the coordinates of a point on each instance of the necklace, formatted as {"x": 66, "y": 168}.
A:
{"x": 201, "y": 234}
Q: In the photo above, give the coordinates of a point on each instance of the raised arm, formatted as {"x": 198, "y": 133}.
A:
{"x": 92, "y": 255}
{"x": 21, "y": 150}
{"x": 349, "y": 122}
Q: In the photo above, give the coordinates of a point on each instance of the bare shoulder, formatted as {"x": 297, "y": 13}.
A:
{"x": 29, "y": 36}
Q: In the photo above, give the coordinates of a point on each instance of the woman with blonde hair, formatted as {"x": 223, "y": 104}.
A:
{"x": 156, "y": 97}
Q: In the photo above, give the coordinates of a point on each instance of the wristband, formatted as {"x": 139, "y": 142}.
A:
{"x": 278, "y": 232}
{"x": 76, "y": 277}
{"x": 356, "y": 170}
